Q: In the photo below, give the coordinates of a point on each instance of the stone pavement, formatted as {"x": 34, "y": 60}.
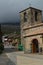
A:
{"x": 12, "y": 57}
{"x": 4, "y": 60}
{"x": 26, "y": 59}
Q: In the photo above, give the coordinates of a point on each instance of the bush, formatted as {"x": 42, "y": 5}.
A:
{"x": 1, "y": 48}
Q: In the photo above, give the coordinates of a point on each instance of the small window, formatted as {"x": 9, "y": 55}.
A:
{"x": 25, "y": 16}
{"x": 35, "y": 16}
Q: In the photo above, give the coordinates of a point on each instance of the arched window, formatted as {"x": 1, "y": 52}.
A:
{"x": 25, "y": 16}
{"x": 36, "y": 15}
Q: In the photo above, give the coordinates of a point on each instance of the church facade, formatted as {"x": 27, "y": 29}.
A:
{"x": 31, "y": 30}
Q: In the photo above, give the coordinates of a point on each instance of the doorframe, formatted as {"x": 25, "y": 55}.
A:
{"x": 36, "y": 44}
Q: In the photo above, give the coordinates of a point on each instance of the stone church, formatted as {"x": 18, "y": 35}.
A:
{"x": 32, "y": 30}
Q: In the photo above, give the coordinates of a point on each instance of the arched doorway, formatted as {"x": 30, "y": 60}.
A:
{"x": 35, "y": 46}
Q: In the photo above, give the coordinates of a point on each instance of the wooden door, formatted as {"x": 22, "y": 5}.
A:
{"x": 33, "y": 48}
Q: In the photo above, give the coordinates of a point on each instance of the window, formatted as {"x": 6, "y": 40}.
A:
{"x": 25, "y": 16}
{"x": 35, "y": 16}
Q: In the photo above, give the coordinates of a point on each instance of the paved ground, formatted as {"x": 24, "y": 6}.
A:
{"x": 26, "y": 59}
{"x": 4, "y": 60}
{"x": 12, "y": 57}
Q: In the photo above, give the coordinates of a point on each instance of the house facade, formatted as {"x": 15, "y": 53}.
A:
{"x": 31, "y": 30}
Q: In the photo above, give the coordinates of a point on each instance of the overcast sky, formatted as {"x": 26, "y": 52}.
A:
{"x": 9, "y": 9}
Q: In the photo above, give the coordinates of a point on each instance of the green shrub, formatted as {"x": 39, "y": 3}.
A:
{"x": 1, "y": 48}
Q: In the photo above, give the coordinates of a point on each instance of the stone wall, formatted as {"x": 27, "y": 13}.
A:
{"x": 28, "y": 41}
{"x": 31, "y": 28}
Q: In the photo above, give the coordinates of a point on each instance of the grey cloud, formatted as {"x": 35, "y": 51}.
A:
{"x": 9, "y": 9}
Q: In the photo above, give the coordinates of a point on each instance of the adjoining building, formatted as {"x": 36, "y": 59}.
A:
{"x": 32, "y": 30}
{"x": 11, "y": 34}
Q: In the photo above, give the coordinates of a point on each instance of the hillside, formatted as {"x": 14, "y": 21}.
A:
{"x": 10, "y": 28}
